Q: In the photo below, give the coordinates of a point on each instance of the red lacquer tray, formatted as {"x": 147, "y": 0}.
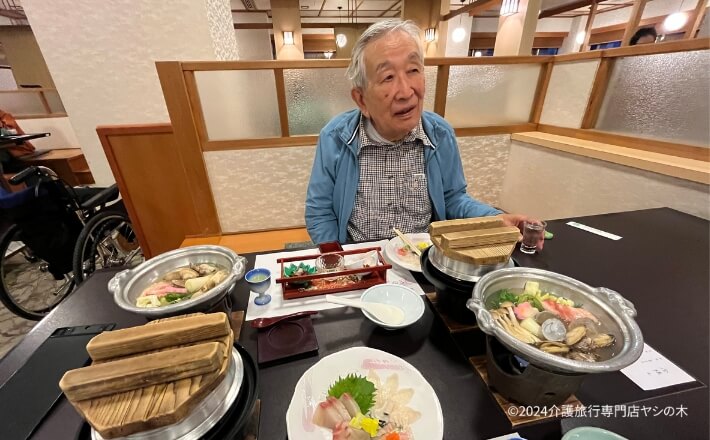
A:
{"x": 293, "y": 286}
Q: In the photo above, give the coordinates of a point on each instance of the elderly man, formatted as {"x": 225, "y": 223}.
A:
{"x": 387, "y": 164}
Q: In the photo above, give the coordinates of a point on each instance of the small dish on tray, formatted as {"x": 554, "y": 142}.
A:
{"x": 399, "y": 254}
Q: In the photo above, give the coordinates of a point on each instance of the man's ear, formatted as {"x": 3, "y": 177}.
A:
{"x": 359, "y": 99}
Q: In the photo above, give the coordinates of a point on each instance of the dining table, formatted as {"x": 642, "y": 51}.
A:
{"x": 18, "y": 139}
{"x": 661, "y": 264}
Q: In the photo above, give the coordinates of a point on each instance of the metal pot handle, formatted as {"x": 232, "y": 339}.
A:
{"x": 239, "y": 267}
{"x": 116, "y": 283}
{"x": 483, "y": 316}
{"x": 617, "y": 301}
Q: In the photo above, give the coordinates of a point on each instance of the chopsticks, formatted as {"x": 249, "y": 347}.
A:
{"x": 408, "y": 242}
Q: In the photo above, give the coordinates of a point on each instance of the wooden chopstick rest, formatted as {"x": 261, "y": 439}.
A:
{"x": 158, "y": 335}
{"x": 150, "y": 369}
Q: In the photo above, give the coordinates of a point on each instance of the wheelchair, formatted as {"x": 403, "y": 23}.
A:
{"x": 55, "y": 237}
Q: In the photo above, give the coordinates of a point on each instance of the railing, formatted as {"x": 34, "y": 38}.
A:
{"x": 32, "y": 103}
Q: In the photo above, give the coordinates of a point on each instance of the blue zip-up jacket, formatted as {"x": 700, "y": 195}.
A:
{"x": 336, "y": 173}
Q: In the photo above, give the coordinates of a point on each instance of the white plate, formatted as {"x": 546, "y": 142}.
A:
{"x": 408, "y": 263}
{"x": 313, "y": 387}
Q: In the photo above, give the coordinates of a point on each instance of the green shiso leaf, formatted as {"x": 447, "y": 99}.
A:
{"x": 359, "y": 388}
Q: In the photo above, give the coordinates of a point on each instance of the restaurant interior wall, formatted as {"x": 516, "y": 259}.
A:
{"x": 552, "y": 184}
{"x": 61, "y": 132}
{"x": 24, "y": 56}
{"x": 102, "y": 54}
{"x": 653, "y": 8}
{"x": 7, "y": 79}
{"x": 253, "y": 44}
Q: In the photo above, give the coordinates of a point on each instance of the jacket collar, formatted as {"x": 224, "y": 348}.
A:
{"x": 347, "y": 129}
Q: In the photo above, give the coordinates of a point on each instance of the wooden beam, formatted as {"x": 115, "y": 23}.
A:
{"x": 564, "y": 8}
{"x": 255, "y": 144}
{"x": 321, "y": 8}
{"x": 656, "y": 146}
{"x": 666, "y": 47}
{"x": 442, "y": 87}
{"x": 633, "y": 23}
{"x": 494, "y": 129}
{"x": 694, "y": 21}
{"x": 469, "y": 61}
{"x": 395, "y": 4}
{"x": 471, "y": 8}
{"x": 588, "y": 27}
{"x": 596, "y": 96}
{"x": 543, "y": 82}
{"x": 281, "y": 98}
{"x": 172, "y": 81}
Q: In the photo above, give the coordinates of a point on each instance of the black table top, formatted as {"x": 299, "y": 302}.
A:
{"x": 662, "y": 264}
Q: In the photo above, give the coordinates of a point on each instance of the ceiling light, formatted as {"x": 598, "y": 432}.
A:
{"x": 341, "y": 40}
{"x": 675, "y": 21}
{"x": 288, "y": 38}
{"x": 328, "y": 54}
{"x": 458, "y": 35}
{"x": 429, "y": 35}
{"x": 509, "y": 7}
{"x": 478, "y": 53}
{"x": 579, "y": 39}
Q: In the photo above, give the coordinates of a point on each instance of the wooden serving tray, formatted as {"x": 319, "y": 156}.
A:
{"x": 293, "y": 287}
{"x": 160, "y": 404}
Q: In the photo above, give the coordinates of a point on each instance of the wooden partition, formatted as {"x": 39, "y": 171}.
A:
{"x": 152, "y": 179}
{"x": 192, "y": 143}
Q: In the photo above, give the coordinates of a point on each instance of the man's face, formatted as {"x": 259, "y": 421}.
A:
{"x": 394, "y": 96}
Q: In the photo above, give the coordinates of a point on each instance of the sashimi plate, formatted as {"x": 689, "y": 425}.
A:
{"x": 313, "y": 386}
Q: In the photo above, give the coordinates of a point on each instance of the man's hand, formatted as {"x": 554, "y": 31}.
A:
{"x": 518, "y": 220}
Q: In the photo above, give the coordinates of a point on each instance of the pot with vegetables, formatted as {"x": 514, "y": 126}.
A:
{"x": 186, "y": 280}
{"x": 556, "y": 322}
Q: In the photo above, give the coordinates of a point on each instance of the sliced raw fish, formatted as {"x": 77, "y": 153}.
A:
{"x": 327, "y": 415}
{"x": 350, "y": 404}
{"x": 344, "y": 432}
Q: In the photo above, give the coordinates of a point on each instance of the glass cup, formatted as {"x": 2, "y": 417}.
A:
{"x": 533, "y": 232}
{"x": 330, "y": 263}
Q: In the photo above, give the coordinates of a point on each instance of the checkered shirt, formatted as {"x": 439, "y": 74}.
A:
{"x": 392, "y": 191}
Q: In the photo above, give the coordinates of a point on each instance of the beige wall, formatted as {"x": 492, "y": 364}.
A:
{"x": 61, "y": 132}
{"x": 24, "y": 56}
{"x": 102, "y": 57}
{"x": 551, "y": 184}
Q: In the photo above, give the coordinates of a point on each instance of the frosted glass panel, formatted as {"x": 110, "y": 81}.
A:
{"x": 662, "y": 96}
{"x": 22, "y": 103}
{"x": 491, "y": 95}
{"x": 239, "y": 104}
{"x": 314, "y": 96}
{"x": 430, "y": 78}
{"x": 568, "y": 93}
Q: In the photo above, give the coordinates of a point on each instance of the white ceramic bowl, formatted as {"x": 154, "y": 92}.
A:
{"x": 359, "y": 261}
{"x": 393, "y": 294}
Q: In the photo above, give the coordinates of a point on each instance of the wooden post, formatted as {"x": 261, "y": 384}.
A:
{"x": 696, "y": 17}
{"x": 442, "y": 86}
{"x": 596, "y": 96}
{"x": 634, "y": 20}
{"x": 588, "y": 28}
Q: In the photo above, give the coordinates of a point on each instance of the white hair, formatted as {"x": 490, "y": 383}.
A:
{"x": 356, "y": 69}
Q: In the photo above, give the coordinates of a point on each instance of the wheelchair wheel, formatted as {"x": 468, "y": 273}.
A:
{"x": 26, "y": 287}
{"x": 107, "y": 240}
